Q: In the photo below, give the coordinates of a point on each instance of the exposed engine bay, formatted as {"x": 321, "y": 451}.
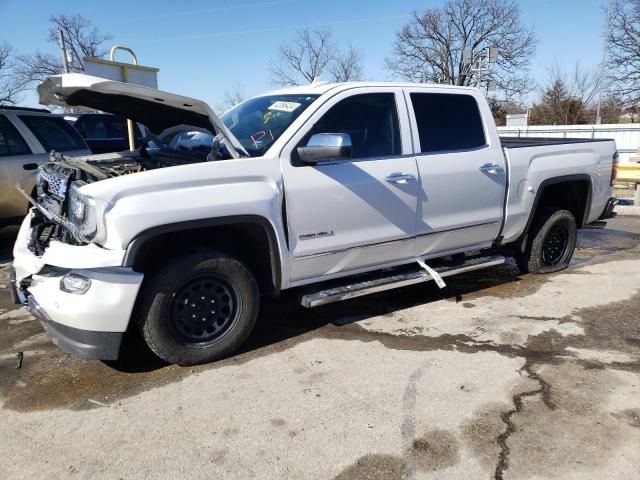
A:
{"x": 93, "y": 168}
{"x": 61, "y": 212}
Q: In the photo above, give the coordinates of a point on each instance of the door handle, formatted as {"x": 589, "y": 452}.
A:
{"x": 491, "y": 168}
{"x": 400, "y": 177}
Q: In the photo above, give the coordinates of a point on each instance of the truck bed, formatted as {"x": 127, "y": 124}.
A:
{"x": 519, "y": 142}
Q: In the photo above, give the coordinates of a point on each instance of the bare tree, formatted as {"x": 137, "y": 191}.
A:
{"x": 611, "y": 109}
{"x": 346, "y": 66}
{"x": 81, "y": 38}
{"x": 430, "y": 46}
{"x": 623, "y": 55}
{"x": 567, "y": 98}
{"x": 231, "y": 98}
{"x": 501, "y": 109}
{"x": 581, "y": 83}
{"x": 312, "y": 54}
{"x": 11, "y": 82}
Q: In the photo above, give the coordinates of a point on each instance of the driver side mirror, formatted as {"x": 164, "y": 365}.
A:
{"x": 326, "y": 146}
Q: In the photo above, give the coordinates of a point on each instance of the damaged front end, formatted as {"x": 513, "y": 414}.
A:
{"x": 61, "y": 212}
{"x": 66, "y": 214}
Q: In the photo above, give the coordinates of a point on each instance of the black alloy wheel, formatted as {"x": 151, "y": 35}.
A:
{"x": 198, "y": 308}
{"x": 555, "y": 244}
{"x": 203, "y": 310}
{"x": 549, "y": 245}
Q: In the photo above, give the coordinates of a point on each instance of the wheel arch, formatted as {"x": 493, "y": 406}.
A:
{"x": 253, "y": 231}
{"x": 572, "y": 192}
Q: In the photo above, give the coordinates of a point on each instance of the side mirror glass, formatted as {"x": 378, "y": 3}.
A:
{"x": 326, "y": 146}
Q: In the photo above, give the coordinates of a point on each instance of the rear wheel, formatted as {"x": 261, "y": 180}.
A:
{"x": 198, "y": 308}
{"x": 551, "y": 242}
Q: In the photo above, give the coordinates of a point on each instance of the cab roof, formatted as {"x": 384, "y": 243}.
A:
{"x": 319, "y": 88}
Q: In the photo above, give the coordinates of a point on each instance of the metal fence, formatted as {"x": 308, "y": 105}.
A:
{"x": 627, "y": 136}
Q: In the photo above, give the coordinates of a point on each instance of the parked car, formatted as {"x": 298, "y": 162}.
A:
{"x": 104, "y": 132}
{"x": 27, "y": 135}
{"x": 339, "y": 190}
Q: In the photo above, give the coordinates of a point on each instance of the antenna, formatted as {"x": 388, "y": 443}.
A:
{"x": 467, "y": 56}
{"x": 481, "y": 63}
{"x": 493, "y": 54}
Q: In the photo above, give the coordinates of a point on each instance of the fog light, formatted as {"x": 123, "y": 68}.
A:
{"x": 76, "y": 284}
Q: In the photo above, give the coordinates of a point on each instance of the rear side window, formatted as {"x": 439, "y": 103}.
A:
{"x": 11, "y": 142}
{"x": 92, "y": 126}
{"x": 103, "y": 127}
{"x": 447, "y": 122}
{"x": 118, "y": 128}
{"x": 370, "y": 119}
{"x": 54, "y": 133}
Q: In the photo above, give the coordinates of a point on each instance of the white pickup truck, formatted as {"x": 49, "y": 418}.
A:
{"x": 339, "y": 190}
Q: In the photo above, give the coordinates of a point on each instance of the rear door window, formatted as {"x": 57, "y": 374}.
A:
{"x": 447, "y": 122}
{"x": 54, "y": 133}
{"x": 11, "y": 142}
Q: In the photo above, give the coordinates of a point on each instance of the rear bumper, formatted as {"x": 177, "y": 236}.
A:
{"x": 608, "y": 209}
{"x": 82, "y": 343}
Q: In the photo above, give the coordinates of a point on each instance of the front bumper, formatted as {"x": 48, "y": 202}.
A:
{"x": 90, "y": 324}
{"x": 82, "y": 343}
{"x": 13, "y": 287}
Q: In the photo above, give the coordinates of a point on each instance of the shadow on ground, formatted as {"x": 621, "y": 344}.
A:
{"x": 7, "y": 239}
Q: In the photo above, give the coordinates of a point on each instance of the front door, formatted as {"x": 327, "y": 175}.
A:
{"x": 358, "y": 213}
{"x": 462, "y": 171}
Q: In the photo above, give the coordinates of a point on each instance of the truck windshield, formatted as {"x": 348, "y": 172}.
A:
{"x": 259, "y": 122}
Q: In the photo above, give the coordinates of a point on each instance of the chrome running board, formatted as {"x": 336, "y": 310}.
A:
{"x": 388, "y": 282}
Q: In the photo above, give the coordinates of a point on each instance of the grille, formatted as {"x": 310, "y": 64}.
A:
{"x": 54, "y": 184}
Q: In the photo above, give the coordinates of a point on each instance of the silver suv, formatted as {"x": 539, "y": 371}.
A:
{"x": 27, "y": 135}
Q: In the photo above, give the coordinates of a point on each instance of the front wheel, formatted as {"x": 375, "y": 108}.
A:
{"x": 551, "y": 242}
{"x": 198, "y": 308}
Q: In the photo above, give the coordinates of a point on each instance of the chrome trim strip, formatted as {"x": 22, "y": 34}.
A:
{"x": 345, "y": 250}
{"x": 36, "y": 310}
{"x": 378, "y": 244}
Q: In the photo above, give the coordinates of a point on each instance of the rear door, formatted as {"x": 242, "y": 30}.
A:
{"x": 353, "y": 214}
{"x": 53, "y": 133}
{"x": 43, "y": 133}
{"x": 462, "y": 170}
{"x": 16, "y": 159}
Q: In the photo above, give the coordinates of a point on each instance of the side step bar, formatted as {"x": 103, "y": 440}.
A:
{"x": 379, "y": 284}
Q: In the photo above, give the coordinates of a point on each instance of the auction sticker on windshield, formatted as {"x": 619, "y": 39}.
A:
{"x": 281, "y": 106}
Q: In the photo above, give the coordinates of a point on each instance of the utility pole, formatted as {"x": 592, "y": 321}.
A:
{"x": 63, "y": 47}
{"x": 601, "y": 75}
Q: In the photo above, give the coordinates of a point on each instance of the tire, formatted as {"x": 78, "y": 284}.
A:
{"x": 177, "y": 314}
{"x": 551, "y": 242}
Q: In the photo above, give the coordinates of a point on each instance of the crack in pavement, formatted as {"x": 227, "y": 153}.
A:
{"x": 518, "y": 401}
{"x": 408, "y": 428}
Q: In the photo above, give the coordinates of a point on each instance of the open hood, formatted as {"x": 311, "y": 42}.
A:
{"x": 155, "y": 109}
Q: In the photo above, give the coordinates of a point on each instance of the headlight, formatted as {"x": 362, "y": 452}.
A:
{"x": 86, "y": 214}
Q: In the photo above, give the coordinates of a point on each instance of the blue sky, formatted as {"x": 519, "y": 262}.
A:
{"x": 203, "y": 47}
